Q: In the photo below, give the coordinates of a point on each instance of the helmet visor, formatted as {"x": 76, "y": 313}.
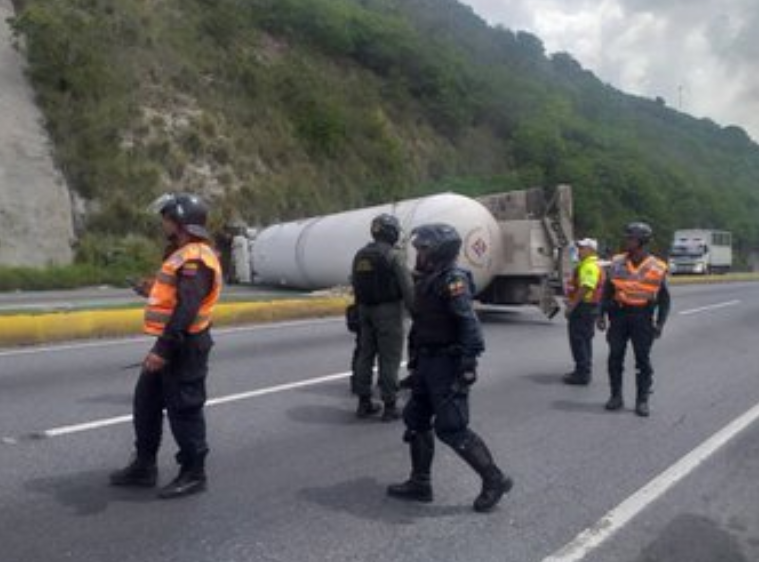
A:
{"x": 161, "y": 202}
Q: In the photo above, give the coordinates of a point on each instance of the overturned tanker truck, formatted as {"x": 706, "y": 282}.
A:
{"x": 516, "y": 244}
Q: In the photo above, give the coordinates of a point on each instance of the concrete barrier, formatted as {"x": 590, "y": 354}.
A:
{"x": 30, "y": 329}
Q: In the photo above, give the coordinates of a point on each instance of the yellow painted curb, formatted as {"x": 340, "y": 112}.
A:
{"x": 712, "y": 279}
{"x": 25, "y": 329}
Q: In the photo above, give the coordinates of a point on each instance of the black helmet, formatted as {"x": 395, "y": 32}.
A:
{"x": 440, "y": 243}
{"x": 187, "y": 210}
{"x": 386, "y": 227}
{"x": 640, "y": 231}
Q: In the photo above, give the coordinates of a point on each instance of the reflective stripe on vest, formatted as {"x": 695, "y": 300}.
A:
{"x": 637, "y": 286}
{"x": 163, "y": 296}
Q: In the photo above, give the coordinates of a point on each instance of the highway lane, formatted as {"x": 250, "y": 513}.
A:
{"x": 711, "y": 516}
{"x": 295, "y": 477}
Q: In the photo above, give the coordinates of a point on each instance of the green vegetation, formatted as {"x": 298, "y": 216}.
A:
{"x": 100, "y": 260}
{"x": 284, "y": 108}
{"x": 55, "y": 277}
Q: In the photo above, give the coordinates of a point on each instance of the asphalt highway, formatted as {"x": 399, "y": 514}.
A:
{"x": 294, "y": 477}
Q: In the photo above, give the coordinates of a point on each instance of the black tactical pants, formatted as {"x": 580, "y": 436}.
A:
{"x": 180, "y": 389}
{"x": 635, "y": 325}
{"x": 582, "y": 329}
{"x": 435, "y": 404}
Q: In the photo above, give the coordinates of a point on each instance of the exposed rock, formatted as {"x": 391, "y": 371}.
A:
{"x": 36, "y": 224}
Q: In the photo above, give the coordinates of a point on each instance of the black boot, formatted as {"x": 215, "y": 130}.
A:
{"x": 641, "y": 404}
{"x": 494, "y": 483}
{"x": 641, "y": 408}
{"x": 418, "y": 487}
{"x": 366, "y": 408}
{"x": 188, "y": 481}
{"x": 615, "y": 402}
{"x": 575, "y": 379}
{"x": 140, "y": 473}
{"x": 390, "y": 412}
{"x": 643, "y": 382}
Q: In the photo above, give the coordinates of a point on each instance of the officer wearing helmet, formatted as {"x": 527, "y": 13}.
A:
{"x": 178, "y": 313}
{"x": 636, "y": 302}
{"x": 444, "y": 344}
{"x": 381, "y": 285}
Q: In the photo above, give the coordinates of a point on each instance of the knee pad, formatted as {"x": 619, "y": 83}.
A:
{"x": 457, "y": 441}
{"x": 411, "y": 435}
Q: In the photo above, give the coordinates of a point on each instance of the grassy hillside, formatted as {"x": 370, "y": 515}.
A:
{"x": 283, "y": 108}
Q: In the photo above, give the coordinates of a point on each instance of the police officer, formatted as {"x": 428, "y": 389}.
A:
{"x": 178, "y": 312}
{"x": 444, "y": 344}
{"x": 381, "y": 284}
{"x": 582, "y": 305}
{"x": 637, "y": 302}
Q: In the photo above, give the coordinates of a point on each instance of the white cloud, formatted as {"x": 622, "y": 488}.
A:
{"x": 699, "y": 55}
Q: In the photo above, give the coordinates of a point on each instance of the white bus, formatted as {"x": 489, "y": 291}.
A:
{"x": 701, "y": 251}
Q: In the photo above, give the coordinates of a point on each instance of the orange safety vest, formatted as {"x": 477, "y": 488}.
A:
{"x": 573, "y": 287}
{"x": 163, "y": 295}
{"x": 637, "y": 286}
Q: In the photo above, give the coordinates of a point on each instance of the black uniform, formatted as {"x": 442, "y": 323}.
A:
{"x": 445, "y": 341}
{"x": 582, "y": 329}
{"x": 180, "y": 387}
{"x": 640, "y": 325}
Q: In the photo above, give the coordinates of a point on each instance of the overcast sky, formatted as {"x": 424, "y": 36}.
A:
{"x": 701, "y": 56}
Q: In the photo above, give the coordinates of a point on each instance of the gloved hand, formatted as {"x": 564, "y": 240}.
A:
{"x": 407, "y": 382}
{"x": 601, "y": 323}
{"x": 412, "y": 362}
{"x": 658, "y": 328}
{"x": 467, "y": 371}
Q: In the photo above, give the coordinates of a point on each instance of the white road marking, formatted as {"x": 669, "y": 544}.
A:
{"x": 708, "y": 308}
{"x": 144, "y": 339}
{"x": 592, "y": 537}
{"x": 97, "y": 424}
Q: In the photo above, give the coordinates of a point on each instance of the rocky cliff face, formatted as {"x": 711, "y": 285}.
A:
{"x": 36, "y": 225}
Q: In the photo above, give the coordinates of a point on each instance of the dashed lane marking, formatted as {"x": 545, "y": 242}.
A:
{"x": 709, "y": 308}
{"x": 106, "y": 422}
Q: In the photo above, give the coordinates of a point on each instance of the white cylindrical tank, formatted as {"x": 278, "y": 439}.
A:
{"x": 317, "y": 253}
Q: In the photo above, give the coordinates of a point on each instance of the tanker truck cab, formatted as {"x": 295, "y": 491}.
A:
{"x": 701, "y": 252}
